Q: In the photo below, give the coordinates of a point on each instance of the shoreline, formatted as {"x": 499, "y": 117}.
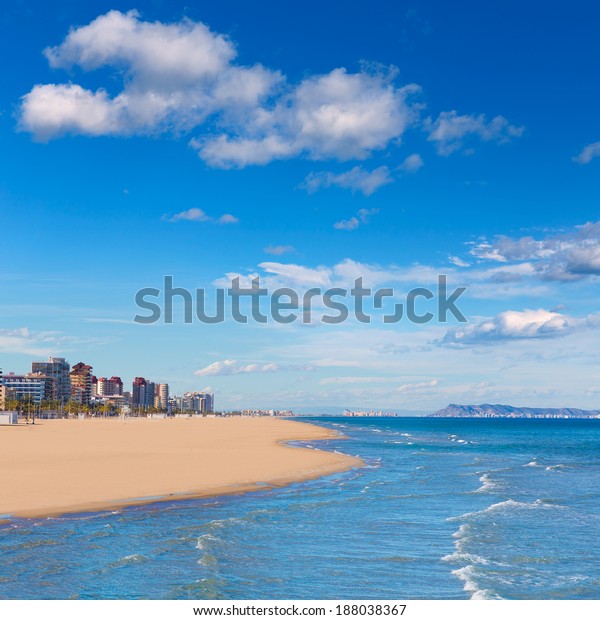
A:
{"x": 61, "y": 467}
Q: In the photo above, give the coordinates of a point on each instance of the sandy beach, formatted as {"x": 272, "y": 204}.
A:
{"x": 66, "y": 466}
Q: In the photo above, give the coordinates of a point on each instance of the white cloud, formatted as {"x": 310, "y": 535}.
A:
{"x": 174, "y": 77}
{"x": 345, "y": 115}
{"x": 421, "y": 387}
{"x": 183, "y": 52}
{"x": 361, "y": 217}
{"x": 515, "y": 325}
{"x": 411, "y": 164}
{"x": 568, "y": 256}
{"x": 588, "y": 153}
{"x": 183, "y": 78}
{"x": 352, "y": 224}
{"x": 227, "y": 218}
{"x": 24, "y": 341}
{"x": 459, "y": 262}
{"x": 198, "y": 215}
{"x": 343, "y": 274}
{"x": 450, "y": 130}
{"x": 225, "y": 152}
{"x": 290, "y": 274}
{"x": 356, "y": 179}
{"x": 180, "y": 76}
{"x": 52, "y": 109}
{"x": 338, "y": 115}
{"x": 232, "y": 367}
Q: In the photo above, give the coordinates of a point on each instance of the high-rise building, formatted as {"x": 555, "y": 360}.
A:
{"x": 81, "y": 383}
{"x": 150, "y": 393}
{"x": 110, "y": 387}
{"x": 47, "y": 381}
{"x": 21, "y": 387}
{"x": 138, "y": 393}
{"x": 198, "y": 402}
{"x": 209, "y": 403}
{"x": 161, "y": 396}
{"x": 57, "y": 369}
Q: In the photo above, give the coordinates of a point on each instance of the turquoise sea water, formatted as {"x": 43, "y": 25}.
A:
{"x": 445, "y": 508}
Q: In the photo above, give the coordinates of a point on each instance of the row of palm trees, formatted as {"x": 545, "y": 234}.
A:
{"x": 27, "y": 407}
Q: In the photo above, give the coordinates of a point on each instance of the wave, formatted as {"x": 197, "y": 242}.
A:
{"x": 533, "y": 463}
{"x": 508, "y": 504}
{"x": 558, "y": 467}
{"x": 471, "y": 558}
{"x": 205, "y": 538}
{"x": 468, "y": 575}
{"x": 487, "y": 484}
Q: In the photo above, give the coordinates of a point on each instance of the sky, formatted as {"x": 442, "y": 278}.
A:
{"x": 306, "y": 144}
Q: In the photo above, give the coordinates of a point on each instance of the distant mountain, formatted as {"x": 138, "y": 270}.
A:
{"x": 506, "y": 411}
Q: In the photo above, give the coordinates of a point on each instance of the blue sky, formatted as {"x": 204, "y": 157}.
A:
{"x": 152, "y": 138}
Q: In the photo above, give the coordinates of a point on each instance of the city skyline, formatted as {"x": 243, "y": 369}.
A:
{"x": 396, "y": 144}
{"x": 55, "y": 383}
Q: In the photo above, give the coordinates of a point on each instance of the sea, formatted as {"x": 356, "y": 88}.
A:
{"x": 443, "y": 509}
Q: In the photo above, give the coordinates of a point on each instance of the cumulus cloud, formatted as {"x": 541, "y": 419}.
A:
{"x": 232, "y": 367}
{"x": 198, "y": 215}
{"x": 517, "y": 325}
{"x": 179, "y": 76}
{"x": 52, "y": 109}
{"x": 568, "y": 256}
{"x": 411, "y": 164}
{"x": 185, "y": 79}
{"x": 361, "y": 217}
{"x": 356, "y": 179}
{"x": 227, "y": 218}
{"x": 450, "y": 130}
{"x": 588, "y": 153}
{"x": 174, "y": 77}
{"x": 339, "y": 115}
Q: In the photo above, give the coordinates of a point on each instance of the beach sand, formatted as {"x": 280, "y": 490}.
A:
{"x": 67, "y": 466}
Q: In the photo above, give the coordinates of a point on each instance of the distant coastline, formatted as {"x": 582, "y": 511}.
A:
{"x": 507, "y": 411}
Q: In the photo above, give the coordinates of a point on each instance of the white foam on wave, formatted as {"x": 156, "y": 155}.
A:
{"x": 219, "y": 523}
{"x": 533, "y": 463}
{"x": 462, "y": 531}
{"x": 487, "y": 484}
{"x": 471, "y": 558}
{"x": 468, "y": 575}
{"x": 508, "y": 504}
{"x": 558, "y": 467}
{"x": 204, "y": 539}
